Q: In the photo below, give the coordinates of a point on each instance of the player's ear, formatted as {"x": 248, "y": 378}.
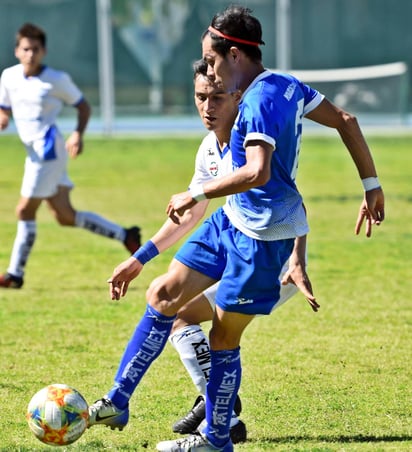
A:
{"x": 234, "y": 53}
{"x": 237, "y": 95}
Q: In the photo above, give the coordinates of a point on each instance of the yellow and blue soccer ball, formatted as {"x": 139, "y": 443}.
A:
{"x": 57, "y": 415}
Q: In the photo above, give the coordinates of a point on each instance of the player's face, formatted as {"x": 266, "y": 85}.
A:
{"x": 221, "y": 69}
{"x": 30, "y": 53}
{"x": 216, "y": 107}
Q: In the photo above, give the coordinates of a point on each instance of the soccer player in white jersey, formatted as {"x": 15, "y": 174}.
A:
{"x": 35, "y": 94}
{"x": 246, "y": 242}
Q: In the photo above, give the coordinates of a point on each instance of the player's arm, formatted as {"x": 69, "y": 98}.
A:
{"x": 164, "y": 238}
{"x": 74, "y": 143}
{"x": 254, "y": 173}
{"x": 170, "y": 233}
{"x": 372, "y": 207}
{"x": 296, "y": 273}
{"x": 5, "y": 114}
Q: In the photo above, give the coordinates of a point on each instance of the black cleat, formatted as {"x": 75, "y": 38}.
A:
{"x": 189, "y": 423}
{"x": 132, "y": 242}
{"x": 8, "y": 281}
{"x": 238, "y": 433}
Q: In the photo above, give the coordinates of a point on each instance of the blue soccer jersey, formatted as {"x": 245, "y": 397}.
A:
{"x": 271, "y": 110}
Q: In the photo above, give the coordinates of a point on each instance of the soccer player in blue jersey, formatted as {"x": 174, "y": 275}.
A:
{"x": 247, "y": 241}
{"x": 217, "y": 110}
{"x": 35, "y": 94}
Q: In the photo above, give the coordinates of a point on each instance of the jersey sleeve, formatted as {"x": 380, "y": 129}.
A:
{"x": 4, "y": 96}
{"x": 201, "y": 175}
{"x": 67, "y": 90}
{"x": 260, "y": 121}
{"x": 312, "y": 98}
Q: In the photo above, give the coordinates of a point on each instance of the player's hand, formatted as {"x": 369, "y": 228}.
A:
{"x": 297, "y": 275}
{"x": 178, "y": 205}
{"x": 122, "y": 275}
{"x": 4, "y": 120}
{"x": 371, "y": 211}
{"x": 74, "y": 144}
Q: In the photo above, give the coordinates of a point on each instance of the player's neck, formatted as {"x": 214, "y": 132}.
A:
{"x": 222, "y": 140}
{"x": 250, "y": 74}
{"x": 32, "y": 71}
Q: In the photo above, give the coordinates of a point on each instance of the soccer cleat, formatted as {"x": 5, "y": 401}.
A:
{"x": 8, "y": 281}
{"x": 238, "y": 433}
{"x": 193, "y": 443}
{"x": 104, "y": 412}
{"x": 190, "y": 422}
{"x": 132, "y": 242}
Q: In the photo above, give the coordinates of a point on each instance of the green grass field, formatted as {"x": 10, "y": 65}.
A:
{"x": 338, "y": 380}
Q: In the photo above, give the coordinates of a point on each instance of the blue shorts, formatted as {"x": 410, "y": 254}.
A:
{"x": 247, "y": 268}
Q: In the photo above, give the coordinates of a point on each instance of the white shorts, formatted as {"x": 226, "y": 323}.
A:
{"x": 42, "y": 178}
{"x": 286, "y": 291}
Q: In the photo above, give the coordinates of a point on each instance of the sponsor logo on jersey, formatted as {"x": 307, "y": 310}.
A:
{"x": 290, "y": 91}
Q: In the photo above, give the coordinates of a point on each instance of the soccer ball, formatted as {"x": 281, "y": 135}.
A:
{"x": 57, "y": 415}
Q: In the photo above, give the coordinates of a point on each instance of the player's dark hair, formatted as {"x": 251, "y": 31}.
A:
{"x": 31, "y": 31}
{"x": 199, "y": 68}
{"x": 236, "y": 21}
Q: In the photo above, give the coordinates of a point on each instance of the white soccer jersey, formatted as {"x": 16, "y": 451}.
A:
{"x": 210, "y": 161}
{"x": 36, "y": 101}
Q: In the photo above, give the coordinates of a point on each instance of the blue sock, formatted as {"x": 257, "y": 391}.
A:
{"x": 144, "y": 347}
{"x": 221, "y": 392}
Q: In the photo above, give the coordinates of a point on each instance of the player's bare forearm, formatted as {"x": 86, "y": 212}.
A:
{"x": 372, "y": 210}
{"x": 83, "y": 115}
{"x": 171, "y": 232}
{"x": 296, "y": 273}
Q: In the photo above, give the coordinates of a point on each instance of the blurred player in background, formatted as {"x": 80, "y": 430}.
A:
{"x": 35, "y": 94}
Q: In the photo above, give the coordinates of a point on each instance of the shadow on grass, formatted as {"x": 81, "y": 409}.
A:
{"x": 337, "y": 439}
{"x": 350, "y": 198}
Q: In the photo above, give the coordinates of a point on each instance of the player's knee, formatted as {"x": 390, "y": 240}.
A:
{"x": 178, "y": 324}
{"x": 221, "y": 340}
{"x": 64, "y": 218}
{"x": 161, "y": 295}
{"x": 25, "y": 213}
{"x": 64, "y": 221}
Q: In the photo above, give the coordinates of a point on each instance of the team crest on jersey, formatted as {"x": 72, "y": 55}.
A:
{"x": 213, "y": 168}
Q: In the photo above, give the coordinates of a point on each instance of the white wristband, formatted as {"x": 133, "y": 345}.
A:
{"x": 370, "y": 183}
{"x": 197, "y": 192}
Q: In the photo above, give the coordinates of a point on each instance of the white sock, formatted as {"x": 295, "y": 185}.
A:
{"x": 234, "y": 420}
{"x": 99, "y": 225}
{"x": 23, "y": 244}
{"x": 193, "y": 347}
